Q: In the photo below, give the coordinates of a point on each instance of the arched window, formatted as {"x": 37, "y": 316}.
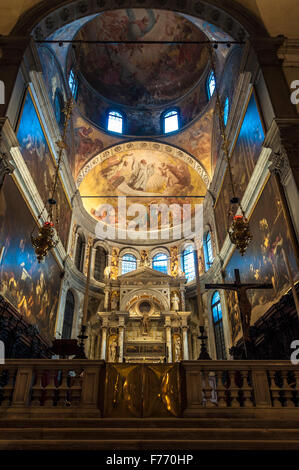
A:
{"x": 129, "y": 263}
{"x": 188, "y": 264}
{"x": 100, "y": 262}
{"x": 79, "y": 256}
{"x": 208, "y": 251}
{"x": 218, "y": 326}
{"x": 170, "y": 121}
{"x": 211, "y": 84}
{"x": 68, "y": 316}
{"x": 226, "y": 111}
{"x": 73, "y": 84}
{"x": 160, "y": 262}
{"x": 115, "y": 122}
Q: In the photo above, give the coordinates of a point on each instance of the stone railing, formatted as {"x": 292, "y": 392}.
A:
{"x": 76, "y": 388}
{"x": 246, "y": 386}
{"x": 39, "y": 386}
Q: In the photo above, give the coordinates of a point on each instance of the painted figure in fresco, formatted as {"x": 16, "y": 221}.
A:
{"x": 177, "y": 177}
{"x": 141, "y": 172}
{"x": 113, "y": 173}
{"x": 85, "y": 145}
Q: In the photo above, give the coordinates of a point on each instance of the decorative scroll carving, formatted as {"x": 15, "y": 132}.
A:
{"x": 6, "y": 168}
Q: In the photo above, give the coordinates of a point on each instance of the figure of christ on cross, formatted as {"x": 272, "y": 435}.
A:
{"x": 244, "y": 306}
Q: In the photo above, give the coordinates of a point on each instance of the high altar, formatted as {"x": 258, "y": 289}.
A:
{"x": 144, "y": 319}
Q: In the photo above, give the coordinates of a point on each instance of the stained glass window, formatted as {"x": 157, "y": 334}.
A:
{"x": 100, "y": 262}
{"x": 115, "y": 122}
{"x": 73, "y": 83}
{"x": 226, "y": 110}
{"x": 218, "y": 326}
{"x": 160, "y": 263}
{"x": 171, "y": 121}
{"x": 211, "y": 84}
{"x": 208, "y": 251}
{"x": 188, "y": 263}
{"x": 129, "y": 263}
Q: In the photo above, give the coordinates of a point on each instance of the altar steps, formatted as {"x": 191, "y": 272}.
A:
{"x": 147, "y": 434}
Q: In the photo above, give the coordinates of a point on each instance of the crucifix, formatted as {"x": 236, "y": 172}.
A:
{"x": 244, "y": 304}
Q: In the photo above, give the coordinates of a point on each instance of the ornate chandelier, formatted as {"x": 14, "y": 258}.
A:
{"x": 46, "y": 237}
{"x": 238, "y": 225}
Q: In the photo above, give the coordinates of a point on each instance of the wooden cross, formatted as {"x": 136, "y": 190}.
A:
{"x": 244, "y": 304}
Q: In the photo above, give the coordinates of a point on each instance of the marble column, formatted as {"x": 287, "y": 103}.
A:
{"x": 104, "y": 340}
{"x": 168, "y": 343}
{"x": 106, "y": 299}
{"x": 121, "y": 343}
{"x": 93, "y": 256}
{"x": 185, "y": 344}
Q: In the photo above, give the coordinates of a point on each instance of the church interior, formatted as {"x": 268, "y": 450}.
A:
{"x": 149, "y": 256}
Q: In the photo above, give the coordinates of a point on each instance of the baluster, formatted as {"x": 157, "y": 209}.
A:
{"x": 37, "y": 389}
{"x": 76, "y": 389}
{"x": 7, "y": 390}
{"x": 50, "y": 389}
{"x": 233, "y": 390}
{"x": 296, "y": 374}
{"x": 275, "y": 390}
{"x": 246, "y": 390}
{"x": 221, "y": 391}
{"x": 63, "y": 389}
{"x": 207, "y": 390}
{"x": 287, "y": 391}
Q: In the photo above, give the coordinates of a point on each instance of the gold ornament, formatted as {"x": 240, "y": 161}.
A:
{"x": 239, "y": 233}
{"x": 44, "y": 240}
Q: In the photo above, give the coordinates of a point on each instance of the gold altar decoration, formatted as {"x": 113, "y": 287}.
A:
{"x": 46, "y": 238}
{"x": 142, "y": 390}
{"x": 174, "y": 266}
{"x": 114, "y": 263}
{"x": 238, "y": 231}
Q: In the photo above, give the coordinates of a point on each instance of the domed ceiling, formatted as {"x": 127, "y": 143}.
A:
{"x": 138, "y": 75}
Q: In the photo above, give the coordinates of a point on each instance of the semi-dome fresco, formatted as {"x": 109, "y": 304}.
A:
{"x": 143, "y": 74}
{"x": 147, "y": 173}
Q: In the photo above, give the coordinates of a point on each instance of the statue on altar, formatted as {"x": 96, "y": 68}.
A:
{"x": 175, "y": 302}
{"x": 112, "y": 353}
{"x": 177, "y": 349}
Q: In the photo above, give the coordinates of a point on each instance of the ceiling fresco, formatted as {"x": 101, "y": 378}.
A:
{"x": 145, "y": 172}
{"x": 136, "y": 75}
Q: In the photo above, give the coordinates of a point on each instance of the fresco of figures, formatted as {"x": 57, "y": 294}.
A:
{"x": 58, "y": 95}
{"x": 228, "y": 86}
{"x": 196, "y": 140}
{"x": 138, "y": 173}
{"x": 36, "y": 153}
{"x": 264, "y": 261}
{"x": 31, "y": 287}
{"x": 142, "y": 74}
{"x": 244, "y": 158}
